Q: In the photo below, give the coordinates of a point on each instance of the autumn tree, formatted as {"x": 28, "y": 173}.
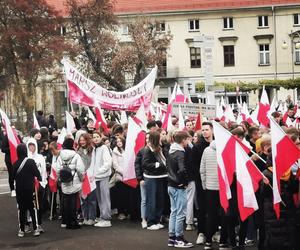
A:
{"x": 30, "y": 49}
{"x": 93, "y": 28}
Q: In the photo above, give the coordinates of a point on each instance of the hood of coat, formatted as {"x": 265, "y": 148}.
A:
{"x": 176, "y": 147}
{"x": 67, "y": 154}
{"x": 30, "y": 154}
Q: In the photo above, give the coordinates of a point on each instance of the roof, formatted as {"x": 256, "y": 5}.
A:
{"x": 147, "y": 6}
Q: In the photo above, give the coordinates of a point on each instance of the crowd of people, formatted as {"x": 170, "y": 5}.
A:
{"x": 178, "y": 186}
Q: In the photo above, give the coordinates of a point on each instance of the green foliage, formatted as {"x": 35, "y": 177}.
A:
{"x": 250, "y": 86}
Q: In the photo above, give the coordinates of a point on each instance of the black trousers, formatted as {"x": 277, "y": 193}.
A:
{"x": 10, "y": 171}
{"x": 25, "y": 203}
{"x": 122, "y": 197}
{"x": 228, "y": 230}
{"x": 69, "y": 209}
{"x": 201, "y": 215}
{"x": 41, "y": 195}
{"x": 213, "y": 208}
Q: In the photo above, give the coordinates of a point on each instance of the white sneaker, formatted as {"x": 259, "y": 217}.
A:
{"x": 27, "y": 229}
{"x": 160, "y": 226}
{"x": 90, "y": 222}
{"x": 153, "y": 227}
{"x": 40, "y": 229}
{"x": 21, "y": 233}
{"x": 36, "y": 232}
{"x": 190, "y": 227}
{"x": 144, "y": 224}
{"x": 216, "y": 237}
{"x": 98, "y": 219}
{"x": 84, "y": 222}
{"x": 200, "y": 239}
{"x": 13, "y": 193}
{"x": 103, "y": 223}
{"x": 63, "y": 225}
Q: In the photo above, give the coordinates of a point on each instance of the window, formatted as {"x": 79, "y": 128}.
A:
{"x": 297, "y": 56}
{"x": 194, "y": 25}
{"x": 161, "y": 27}
{"x": 264, "y": 54}
{"x": 228, "y": 23}
{"x": 228, "y": 55}
{"x": 297, "y": 19}
{"x": 63, "y": 30}
{"x": 195, "y": 54}
{"x": 124, "y": 29}
{"x": 263, "y": 21}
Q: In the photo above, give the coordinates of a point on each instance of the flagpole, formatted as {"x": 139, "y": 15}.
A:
{"x": 37, "y": 204}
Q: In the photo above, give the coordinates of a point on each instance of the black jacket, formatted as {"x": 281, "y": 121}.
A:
{"x": 138, "y": 165}
{"x": 192, "y": 172}
{"x": 149, "y": 164}
{"x": 25, "y": 178}
{"x": 177, "y": 171}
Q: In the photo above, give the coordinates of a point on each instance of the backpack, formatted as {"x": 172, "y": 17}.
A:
{"x": 66, "y": 175}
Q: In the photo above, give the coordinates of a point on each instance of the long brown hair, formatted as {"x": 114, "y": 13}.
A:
{"x": 123, "y": 143}
{"x": 88, "y": 139}
{"x": 154, "y": 141}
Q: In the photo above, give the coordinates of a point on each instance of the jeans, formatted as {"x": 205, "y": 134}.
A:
{"x": 154, "y": 200}
{"x": 89, "y": 206}
{"x": 178, "y": 198}
{"x": 103, "y": 198}
{"x": 143, "y": 201}
{"x": 191, "y": 191}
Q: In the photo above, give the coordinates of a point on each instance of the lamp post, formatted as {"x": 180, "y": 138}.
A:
{"x": 293, "y": 35}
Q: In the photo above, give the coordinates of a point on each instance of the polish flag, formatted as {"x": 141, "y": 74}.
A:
{"x": 264, "y": 108}
{"x": 245, "y": 113}
{"x": 52, "y": 182}
{"x": 91, "y": 116}
{"x": 198, "y": 123}
{"x": 167, "y": 123}
{"x": 13, "y": 139}
{"x": 290, "y": 123}
{"x": 35, "y": 122}
{"x": 89, "y": 183}
{"x": 177, "y": 95}
{"x": 135, "y": 142}
{"x": 100, "y": 120}
{"x": 181, "y": 125}
{"x": 61, "y": 138}
{"x": 220, "y": 112}
{"x": 254, "y": 115}
{"x": 284, "y": 154}
{"x": 229, "y": 116}
{"x": 141, "y": 118}
{"x": 70, "y": 123}
{"x": 248, "y": 178}
{"x": 274, "y": 105}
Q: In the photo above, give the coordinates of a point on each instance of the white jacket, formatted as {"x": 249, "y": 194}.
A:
{"x": 39, "y": 161}
{"x": 101, "y": 162}
{"x": 118, "y": 163}
{"x": 76, "y": 165}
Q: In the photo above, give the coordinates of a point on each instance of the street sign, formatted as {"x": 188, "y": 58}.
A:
{"x": 208, "y": 111}
{"x": 187, "y": 109}
{"x": 216, "y": 88}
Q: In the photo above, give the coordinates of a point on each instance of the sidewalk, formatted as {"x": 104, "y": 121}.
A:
{"x": 2, "y": 163}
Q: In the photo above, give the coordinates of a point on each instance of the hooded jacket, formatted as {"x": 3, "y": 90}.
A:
{"x": 39, "y": 160}
{"x": 177, "y": 171}
{"x": 25, "y": 178}
{"x": 101, "y": 162}
{"x": 209, "y": 168}
{"x": 74, "y": 162}
{"x": 118, "y": 163}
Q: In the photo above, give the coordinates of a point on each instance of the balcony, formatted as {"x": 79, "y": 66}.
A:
{"x": 165, "y": 72}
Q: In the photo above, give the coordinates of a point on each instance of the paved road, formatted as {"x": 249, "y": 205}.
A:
{"x": 122, "y": 235}
{"x": 4, "y": 187}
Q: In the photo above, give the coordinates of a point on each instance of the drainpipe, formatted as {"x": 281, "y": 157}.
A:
{"x": 275, "y": 39}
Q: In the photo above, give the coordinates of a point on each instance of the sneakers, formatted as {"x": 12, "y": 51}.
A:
{"x": 121, "y": 216}
{"x": 36, "y": 232}
{"x": 208, "y": 246}
{"x": 190, "y": 227}
{"x": 84, "y": 222}
{"x": 90, "y": 222}
{"x": 153, "y": 227}
{"x": 249, "y": 242}
{"x": 200, "y": 239}
{"x": 181, "y": 242}
{"x": 21, "y": 233}
{"x": 160, "y": 226}
{"x": 224, "y": 247}
{"x": 216, "y": 237}
{"x": 40, "y": 229}
{"x": 27, "y": 229}
{"x": 144, "y": 224}
{"x": 171, "y": 241}
{"x": 13, "y": 193}
{"x": 63, "y": 225}
{"x": 103, "y": 223}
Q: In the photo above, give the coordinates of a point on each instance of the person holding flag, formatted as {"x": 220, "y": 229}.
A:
{"x": 25, "y": 172}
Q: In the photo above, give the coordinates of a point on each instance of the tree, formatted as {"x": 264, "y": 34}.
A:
{"x": 30, "y": 49}
{"x": 93, "y": 28}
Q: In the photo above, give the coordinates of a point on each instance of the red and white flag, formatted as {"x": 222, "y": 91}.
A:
{"x": 198, "y": 123}
{"x": 284, "y": 153}
{"x": 141, "y": 118}
{"x": 13, "y": 139}
{"x": 100, "y": 120}
{"x": 167, "y": 123}
{"x": 248, "y": 178}
{"x": 134, "y": 143}
{"x": 35, "y": 122}
{"x": 52, "y": 182}
{"x": 61, "y": 138}
{"x": 91, "y": 116}
{"x": 264, "y": 108}
{"x": 181, "y": 125}
{"x": 89, "y": 183}
{"x": 70, "y": 123}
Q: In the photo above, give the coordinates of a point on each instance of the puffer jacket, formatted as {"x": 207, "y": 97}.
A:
{"x": 75, "y": 163}
{"x": 177, "y": 171}
{"x": 101, "y": 162}
{"x": 118, "y": 163}
{"x": 209, "y": 168}
{"x": 280, "y": 233}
